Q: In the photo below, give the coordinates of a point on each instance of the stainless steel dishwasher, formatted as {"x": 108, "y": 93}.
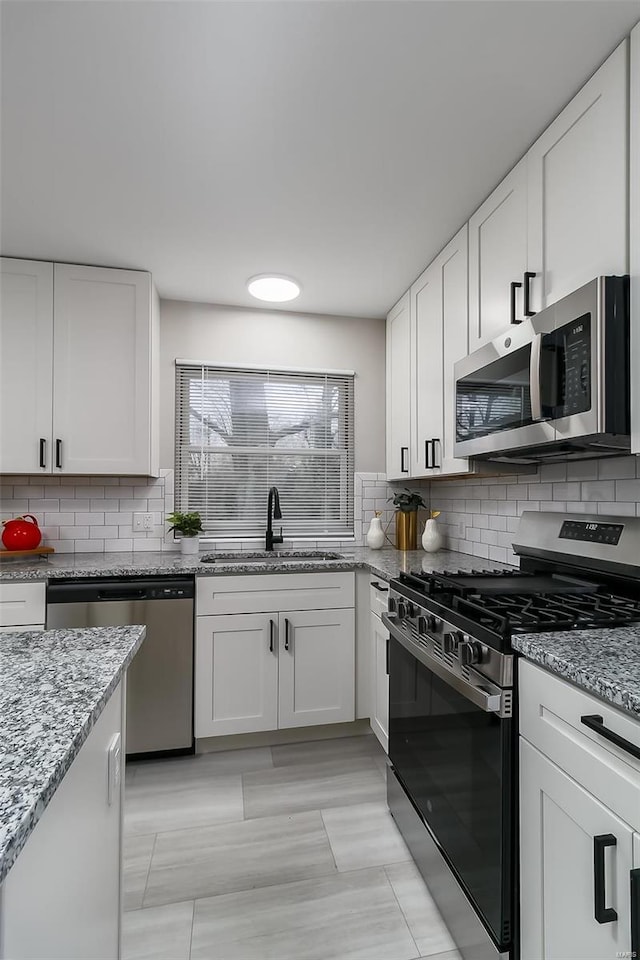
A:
{"x": 160, "y": 678}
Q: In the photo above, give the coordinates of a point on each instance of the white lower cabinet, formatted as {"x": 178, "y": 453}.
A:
{"x": 579, "y": 823}
{"x": 380, "y": 681}
{"x": 61, "y": 899}
{"x": 274, "y": 669}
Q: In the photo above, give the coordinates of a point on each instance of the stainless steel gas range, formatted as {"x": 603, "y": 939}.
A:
{"x": 452, "y": 788}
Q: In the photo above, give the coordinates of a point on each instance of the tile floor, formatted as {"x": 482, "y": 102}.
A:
{"x": 274, "y": 853}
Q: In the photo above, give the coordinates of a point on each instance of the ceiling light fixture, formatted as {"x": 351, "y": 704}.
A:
{"x": 274, "y": 288}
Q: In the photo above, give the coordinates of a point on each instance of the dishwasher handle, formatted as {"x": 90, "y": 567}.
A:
{"x": 122, "y": 595}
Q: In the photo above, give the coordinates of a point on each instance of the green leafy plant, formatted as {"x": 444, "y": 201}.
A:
{"x": 408, "y": 501}
{"x": 188, "y": 524}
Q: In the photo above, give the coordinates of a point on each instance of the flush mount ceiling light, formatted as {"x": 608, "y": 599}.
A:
{"x": 275, "y": 289}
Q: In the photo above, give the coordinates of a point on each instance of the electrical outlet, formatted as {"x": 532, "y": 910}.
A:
{"x": 143, "y": 521}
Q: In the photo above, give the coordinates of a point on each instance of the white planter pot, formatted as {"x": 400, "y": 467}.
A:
{"x": 189, "y": 545}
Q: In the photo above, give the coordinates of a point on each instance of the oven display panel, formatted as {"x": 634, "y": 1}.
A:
{"x": 608, "y": 533}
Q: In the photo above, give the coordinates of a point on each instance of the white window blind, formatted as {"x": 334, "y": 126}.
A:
{"x": 241, "y": 431}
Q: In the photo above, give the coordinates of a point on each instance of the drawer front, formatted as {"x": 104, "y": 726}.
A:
{"x": 379, "y": 593}
{"x": 551, "y": 712}
{"x": 22, "y": 604}
{"x": 274, "y": 593}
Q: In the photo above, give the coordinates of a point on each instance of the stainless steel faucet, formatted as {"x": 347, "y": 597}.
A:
{"x": 273, "y": 513}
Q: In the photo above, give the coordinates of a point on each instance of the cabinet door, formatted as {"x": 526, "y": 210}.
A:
{"x": 380, "y": 678}
{"x": 26, "y": 365}
{"x": 426, "y": 371}
{"x": 102, "y": 370}
{"x": 634, "y": 236}
{"x": 455, "y": 345}
{"x": 317, "y": 667}
{"x": 497, "y": 257}
{"x": 578, "y": 194}
{"x": 236, "y": 674}
{"x": 559, "y": 821}
{"x": 398, "y": 390}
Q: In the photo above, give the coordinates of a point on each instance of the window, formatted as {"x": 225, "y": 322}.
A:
{"x": 239, "y": 431}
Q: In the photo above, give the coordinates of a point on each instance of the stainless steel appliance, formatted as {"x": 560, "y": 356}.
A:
{"x": 160, "y": 678}
{"x": 553, "y": 387}
{"x": 453, "y": 712}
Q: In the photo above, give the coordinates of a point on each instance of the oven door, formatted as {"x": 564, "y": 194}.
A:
{"x": 454, "y": 758}
{"x": 505, "y": 392}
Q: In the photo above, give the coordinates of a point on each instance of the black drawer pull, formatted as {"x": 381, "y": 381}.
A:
{"x": 378, "y": 586}
{"x": 528, "y": 277}
{"x": 59, "y": 454}
{"x": 286, "y": 634}
{"x": 602, "y": 913}
{"x": 43, "y": 452}
{"x": 512, "y": 301}
{"x": 271, "y": 630}
{"x": 387, "y": 657}
{"x": 403, "y": 450}
{"x": 427, "y": 465}
{"x": 435, "y": 465}
{"x": 595, "y": 722}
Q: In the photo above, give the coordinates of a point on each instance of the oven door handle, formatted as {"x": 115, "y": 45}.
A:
{"x": 477, "y": 695}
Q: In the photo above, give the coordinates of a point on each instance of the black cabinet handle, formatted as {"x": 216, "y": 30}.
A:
{"x": 59, "y": 453}
{"x": 271, "y": 631}
{"x": 602, "y": 913}
{"x": 387, "y": 657}
{"x": 427, "y": 465}
{"x": 433, "y": 448}
{"x": 286, "y": 634}
{"x": 528, "y": 277}
{"x": 513, "y": 286}
{"x": 403, "y": 450}
{"x": 43, "y": 452}
{"x": 634, "y": 881}
{"x": 595, "y": 722}
{"x": 377, "y": 586}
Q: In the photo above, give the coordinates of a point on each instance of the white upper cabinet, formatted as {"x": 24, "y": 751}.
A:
{"x": 26, "y": 343}
{"x": 102, "y": 364}
{"x": 79, "y": 348}
{"x": 634, "y": 237}
{"x": 578, "y": 203}
{"x": 439, "y": 324}
{"x": 498, "y": 259}
{"x": 399, "y": 390}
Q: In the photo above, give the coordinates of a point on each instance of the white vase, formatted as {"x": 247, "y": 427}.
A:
{"x": 189, "y": 545}
{"x": 375, "y": 534}
{"x": 431, "y": 538}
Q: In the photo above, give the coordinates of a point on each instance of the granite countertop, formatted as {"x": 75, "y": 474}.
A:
{"x": 54, "y": 687}
{"x": 386, "y": 563}
{"x": 605, "y": 662}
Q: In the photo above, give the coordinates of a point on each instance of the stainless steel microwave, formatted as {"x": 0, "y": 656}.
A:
{"x": 555, "y": 387}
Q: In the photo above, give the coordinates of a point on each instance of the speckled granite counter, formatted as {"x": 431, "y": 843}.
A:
{"x": 382, "y": 563}
{"x": 604, "y": 662}
{"x": 54, "y": 687}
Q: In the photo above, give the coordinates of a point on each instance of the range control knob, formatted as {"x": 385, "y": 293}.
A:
{"x": 412, "y": 610}
{"x": 391, "y": 605}
{"x": 452, "y": 641}
{"x": 434, "y": 623}
{"x": 472, "y": 651}
{"x": 402, "y": 609}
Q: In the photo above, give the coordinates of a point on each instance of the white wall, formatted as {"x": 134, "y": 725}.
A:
{"x": 218, "y": 334}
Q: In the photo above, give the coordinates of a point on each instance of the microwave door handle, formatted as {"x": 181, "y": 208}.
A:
{"x": 535, "y": 384}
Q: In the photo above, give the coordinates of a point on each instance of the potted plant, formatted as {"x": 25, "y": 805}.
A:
{"x": 407, "y": 504}
{"x": 189, "y": 525}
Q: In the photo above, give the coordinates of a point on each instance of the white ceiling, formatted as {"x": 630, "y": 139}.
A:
{"x": 341, "y": 143}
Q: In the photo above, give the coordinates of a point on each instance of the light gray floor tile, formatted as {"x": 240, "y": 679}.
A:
{"x": 453, "y": 955}
{"x": 187, "y": 864}
{"x": 351, "y": 915}
{"x": 152, "y": 806}
{"x": 425, "y": 923}
{"x": 319, "y": 751}
{"x": 382, "y": 763}
{"x": 130, "y": 771}
{"x": 135, "y": 868}
{"x": 290, "y": 789}
{"x": 364, "y": 835}
{"x": 203, "y": 766}
{"x": 345, "y": 916}
{"x": 161, "y": 933}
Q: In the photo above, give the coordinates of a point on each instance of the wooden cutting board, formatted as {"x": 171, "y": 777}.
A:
{"x": 36, "y": 552}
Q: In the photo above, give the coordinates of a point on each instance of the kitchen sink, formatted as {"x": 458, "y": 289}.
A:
{"x": 270, "y": 556}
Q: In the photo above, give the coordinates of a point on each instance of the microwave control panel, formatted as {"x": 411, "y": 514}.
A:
{"x": 573, "y": 351}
